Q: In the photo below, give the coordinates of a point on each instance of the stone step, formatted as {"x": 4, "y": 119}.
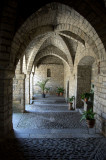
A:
{"x": 56, "y": 133}
{"x": 50, "y": 101}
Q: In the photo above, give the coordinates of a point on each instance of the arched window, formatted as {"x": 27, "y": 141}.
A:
{"x": 48, "y": 73}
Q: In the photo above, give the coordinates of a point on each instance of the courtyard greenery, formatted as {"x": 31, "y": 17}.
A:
{"x": 42, "y": 85}
{"x": 60, "y": 90}
{"x": 70, "y": 100}
{"x": 88, "y": 114}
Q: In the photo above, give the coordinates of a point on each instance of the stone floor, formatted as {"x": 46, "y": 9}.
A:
{"x": 50, "y": 118}
{"x": 53, "y": 149}
{"x": 49, "y": 131}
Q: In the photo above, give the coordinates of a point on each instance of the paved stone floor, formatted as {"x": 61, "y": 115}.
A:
{"x": 49, "y": 131}
{"x": 50, "y": 118}
{"x": 53, "y": 149}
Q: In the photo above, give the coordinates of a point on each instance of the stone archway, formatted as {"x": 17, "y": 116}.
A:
{"x": 88, "y": 42}
{"x": 84, "y": 77}
{"x": 71, "y": 28}
{"x": 34, "y": 31}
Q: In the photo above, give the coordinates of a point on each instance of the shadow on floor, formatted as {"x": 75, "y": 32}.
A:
{"x": 53, "y": 149}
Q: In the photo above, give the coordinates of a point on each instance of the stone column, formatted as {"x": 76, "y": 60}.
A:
{"x": 6, "y": 89}
{"x": 32, "y": 84}
{"x": 100, "y": 98}
{"x": 19, "y": 93}
{"x": 31, "y": 89}
{"x": 27, "y": 89}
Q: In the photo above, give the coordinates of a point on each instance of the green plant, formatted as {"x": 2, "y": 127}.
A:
{"x": 70, "y": 100}
{"x": 85, "y": 95}
{"x": 47, "y": 89}
{"x": 42, "y": 85}
{"x": 57, "y": 91}
{"x": 89, "y": 115}
{"x": 60, "y": 90}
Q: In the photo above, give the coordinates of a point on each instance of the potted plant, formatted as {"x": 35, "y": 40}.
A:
{"x": 70, "y": 102}
{"x": 89, "y": 116}
{"x": 57, "y": 93}
{"x": 47, "y": 90}
{"x": 60, "y": 90}
{"x": 85, "y": 96}
{"x": 42, "y": 85}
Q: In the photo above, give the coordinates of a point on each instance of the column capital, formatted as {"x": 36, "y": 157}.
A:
{"x": 20, "y": 76}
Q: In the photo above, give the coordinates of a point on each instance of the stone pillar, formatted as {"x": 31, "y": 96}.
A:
{"x": 100, "y": 98}
{"x": 83, "y": 82}
{"x": 31, "y": 87}
{"x": 27, "y": 89}
{"x": 33, "y": 84}
{"x": 6, "y": 89}
{"x": 19, "y": 93}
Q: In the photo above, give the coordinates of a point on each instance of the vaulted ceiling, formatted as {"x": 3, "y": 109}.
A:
{"x": 59, "y": 45}
{"x": 56, "y": 30}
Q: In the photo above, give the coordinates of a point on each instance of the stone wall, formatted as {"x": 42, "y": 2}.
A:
{"x": 100, "y": 98}
{"x": 6, "y": 81}
{"x": 94, "y": 73}
{"x": 56, "y": 79}
{"x": 69, "y": 77}
{"x": 83, "y": 82}
{"x": 19, "y": 93}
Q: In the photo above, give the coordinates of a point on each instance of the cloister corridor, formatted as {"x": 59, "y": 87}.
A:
{"x": 51, "y": 118}
{"x": 52, "y": 56}
{"x": 48, "y": 130}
